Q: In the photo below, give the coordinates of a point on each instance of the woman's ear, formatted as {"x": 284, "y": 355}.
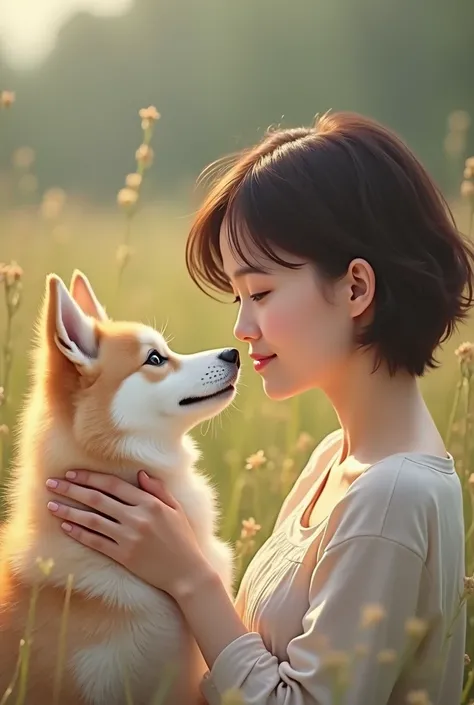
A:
{"x": 360, "y": 278}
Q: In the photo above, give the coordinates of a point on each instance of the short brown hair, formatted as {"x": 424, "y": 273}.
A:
{"x": 345, "y": 188}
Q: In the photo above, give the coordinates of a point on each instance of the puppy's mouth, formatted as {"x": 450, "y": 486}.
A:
{"x": 196, "y": 400}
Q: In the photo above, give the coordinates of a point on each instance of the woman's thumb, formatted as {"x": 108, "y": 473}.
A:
{"x": 156, "y": 487}
{"x": 150, "y": 482}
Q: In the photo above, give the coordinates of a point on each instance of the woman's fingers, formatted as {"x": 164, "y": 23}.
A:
{"x": 88, "y": 520}
{"x": 157, "y": 488}
{"x": 89, "y": 497}
{"x": 121, "y": 489}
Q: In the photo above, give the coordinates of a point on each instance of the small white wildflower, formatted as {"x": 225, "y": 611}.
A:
{"x": 45, "y": 566}
{"x": 372, "y": 614}
{"x": 469, "y": 585}
{"x": 144, "y": 155}
{"x": 418, "y": 697}
{"x": 133, "y": 181}
{"x": 249, "y": 528}
{"x": 7, "y": 98}
{"x": 233, "y": 696}
{"x": 304, "y": 442}
{"x": 335, "y": 659}
{"x": 467, "y": 189}
{"x": 256, "y": 460}
{"x": 150, "y": 113}
{"x": 127, "y": 197}
{"x": 416, "y": 627}
{"x": 387, "y": 656}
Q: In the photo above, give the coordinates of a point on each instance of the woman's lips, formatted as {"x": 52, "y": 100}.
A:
{"x": 262, "y": 362}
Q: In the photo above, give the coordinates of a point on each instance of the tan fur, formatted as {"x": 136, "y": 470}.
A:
{"x": 67, "y": 423}
{"x": 85, "y": 616}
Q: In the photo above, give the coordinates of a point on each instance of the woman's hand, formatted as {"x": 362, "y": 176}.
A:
{"x": 145, "y": 530}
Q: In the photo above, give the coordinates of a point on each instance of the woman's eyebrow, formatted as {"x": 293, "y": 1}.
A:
{"x": 248, "y": 270}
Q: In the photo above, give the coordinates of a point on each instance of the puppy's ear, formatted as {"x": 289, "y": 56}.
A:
{"x": 68, "y": 327}
{"x": 83, "y": 294}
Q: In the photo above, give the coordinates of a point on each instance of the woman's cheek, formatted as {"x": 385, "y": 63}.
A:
{"x": 280, "y": 325}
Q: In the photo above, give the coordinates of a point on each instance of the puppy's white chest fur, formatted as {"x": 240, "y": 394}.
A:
{"x": 141, "y": 651}
{"x": 155, "y": 643}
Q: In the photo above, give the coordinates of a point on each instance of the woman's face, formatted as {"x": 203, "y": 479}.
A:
{"x": 304, "y": 333}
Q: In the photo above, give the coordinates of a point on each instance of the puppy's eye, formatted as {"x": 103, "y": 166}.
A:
{"x": 154, "y": 358}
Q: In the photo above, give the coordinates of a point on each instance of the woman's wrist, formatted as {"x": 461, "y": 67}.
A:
{"x": 209, "y": 611}
{"x": 202, "y": 578}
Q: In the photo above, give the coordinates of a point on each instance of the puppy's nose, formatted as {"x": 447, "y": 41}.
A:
{"x": 230, "y": 355}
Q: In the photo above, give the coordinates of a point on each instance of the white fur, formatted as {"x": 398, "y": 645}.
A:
{"x": 140, "y": 405}
{"x": 156, "y": 632}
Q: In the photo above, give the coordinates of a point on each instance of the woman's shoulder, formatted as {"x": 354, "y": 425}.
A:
{"x": 402, "y": 498}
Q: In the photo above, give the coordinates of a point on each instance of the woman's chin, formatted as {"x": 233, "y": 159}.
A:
{"x": 277, "y": 391}
{"x": 278, "y": 387}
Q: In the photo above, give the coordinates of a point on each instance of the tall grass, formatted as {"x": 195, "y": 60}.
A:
{"x": 255, "y": 450}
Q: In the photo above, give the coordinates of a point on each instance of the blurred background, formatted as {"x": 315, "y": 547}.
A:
{"x": 220, "y": 72}
{"x": 75, "y": 74}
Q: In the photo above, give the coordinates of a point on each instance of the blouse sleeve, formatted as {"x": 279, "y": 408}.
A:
{"x": 357, "y": 572}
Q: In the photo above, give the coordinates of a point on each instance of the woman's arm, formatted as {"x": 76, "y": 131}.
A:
{"x": 210, "y": 614}
{"x": 358, "y": 572}
{"x": 352, "y": 572}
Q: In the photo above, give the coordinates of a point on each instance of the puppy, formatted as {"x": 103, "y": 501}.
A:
{"x": 110, "y": 397}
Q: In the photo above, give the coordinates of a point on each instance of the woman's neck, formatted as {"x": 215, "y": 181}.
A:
{"x": 381, "y": 415}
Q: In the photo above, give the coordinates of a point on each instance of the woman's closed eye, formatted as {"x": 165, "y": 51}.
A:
{"x": 255, "y": 297}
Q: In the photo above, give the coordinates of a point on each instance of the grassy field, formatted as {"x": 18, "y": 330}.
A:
{"x": 156, "y": 289}
{"x": 257, "y": 448}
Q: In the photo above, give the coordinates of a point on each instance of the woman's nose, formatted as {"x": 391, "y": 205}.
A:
{"x": 245, "y": 328}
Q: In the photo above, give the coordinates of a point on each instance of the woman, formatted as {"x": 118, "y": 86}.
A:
{"x": 348, "y": 273}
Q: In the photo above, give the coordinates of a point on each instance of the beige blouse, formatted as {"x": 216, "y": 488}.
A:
{"x": 392, "y": 549}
